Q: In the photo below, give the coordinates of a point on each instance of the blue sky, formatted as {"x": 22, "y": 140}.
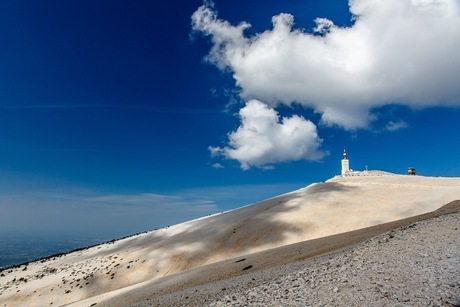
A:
{"x": 119, "y": 117}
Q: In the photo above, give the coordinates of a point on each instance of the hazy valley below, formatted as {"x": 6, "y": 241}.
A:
{"x": 21, "y": 248}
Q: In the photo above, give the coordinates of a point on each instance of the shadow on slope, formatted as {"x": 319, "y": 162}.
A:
{"x": 215, "y": 238}
{"x": 151, "y": 292}
{"x": 229, "y": 234}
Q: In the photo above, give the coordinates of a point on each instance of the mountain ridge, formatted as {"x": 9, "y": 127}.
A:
{"x": 338, "y": 205}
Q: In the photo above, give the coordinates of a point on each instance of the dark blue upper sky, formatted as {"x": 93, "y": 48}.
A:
{"x": 107, "y": 110}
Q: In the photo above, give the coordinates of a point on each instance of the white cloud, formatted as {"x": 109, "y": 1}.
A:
{"x": 393, "y": 126}
{"x": 323, "y": 25}
{"x": 396, "y": 51}
{"x": 217, "y": 165}
{"x": 262, "y": 139}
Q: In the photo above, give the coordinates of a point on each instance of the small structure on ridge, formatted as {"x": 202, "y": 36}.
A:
{"x": 345, "y": 164}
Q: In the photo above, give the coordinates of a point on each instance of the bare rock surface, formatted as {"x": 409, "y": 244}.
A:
{"x": 314, "y": 220}
{"x": 414, "y": 265}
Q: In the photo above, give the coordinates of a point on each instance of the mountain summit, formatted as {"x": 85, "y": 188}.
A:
{"x": 341, "y": 204}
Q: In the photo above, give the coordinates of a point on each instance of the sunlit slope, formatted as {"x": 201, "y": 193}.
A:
{"x": 338, "y": 205}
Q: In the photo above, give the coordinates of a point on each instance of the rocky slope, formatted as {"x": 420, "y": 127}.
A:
{"x": 415, "y": 265}
{"x": 339, "y": 205}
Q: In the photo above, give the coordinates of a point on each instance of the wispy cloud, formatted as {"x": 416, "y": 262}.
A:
{"x": 152, "y": 108}
{"x": 31, "y": 205}
{"x": 53, "y": 106}
{"x": 217, "y": 165}
{"x": 85, "y": 210}
{"x": 224, "y": 196}
{"x": 393, "y": 126}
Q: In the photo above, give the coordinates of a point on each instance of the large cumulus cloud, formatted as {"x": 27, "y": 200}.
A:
{"x": 396, "y": 51}
{"x": 262, "y": 139}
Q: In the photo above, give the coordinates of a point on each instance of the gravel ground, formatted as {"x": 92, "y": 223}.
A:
{"x": 415, "y": 265}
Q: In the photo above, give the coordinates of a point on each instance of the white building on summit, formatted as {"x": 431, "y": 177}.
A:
{"x": 345, "y": 164}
